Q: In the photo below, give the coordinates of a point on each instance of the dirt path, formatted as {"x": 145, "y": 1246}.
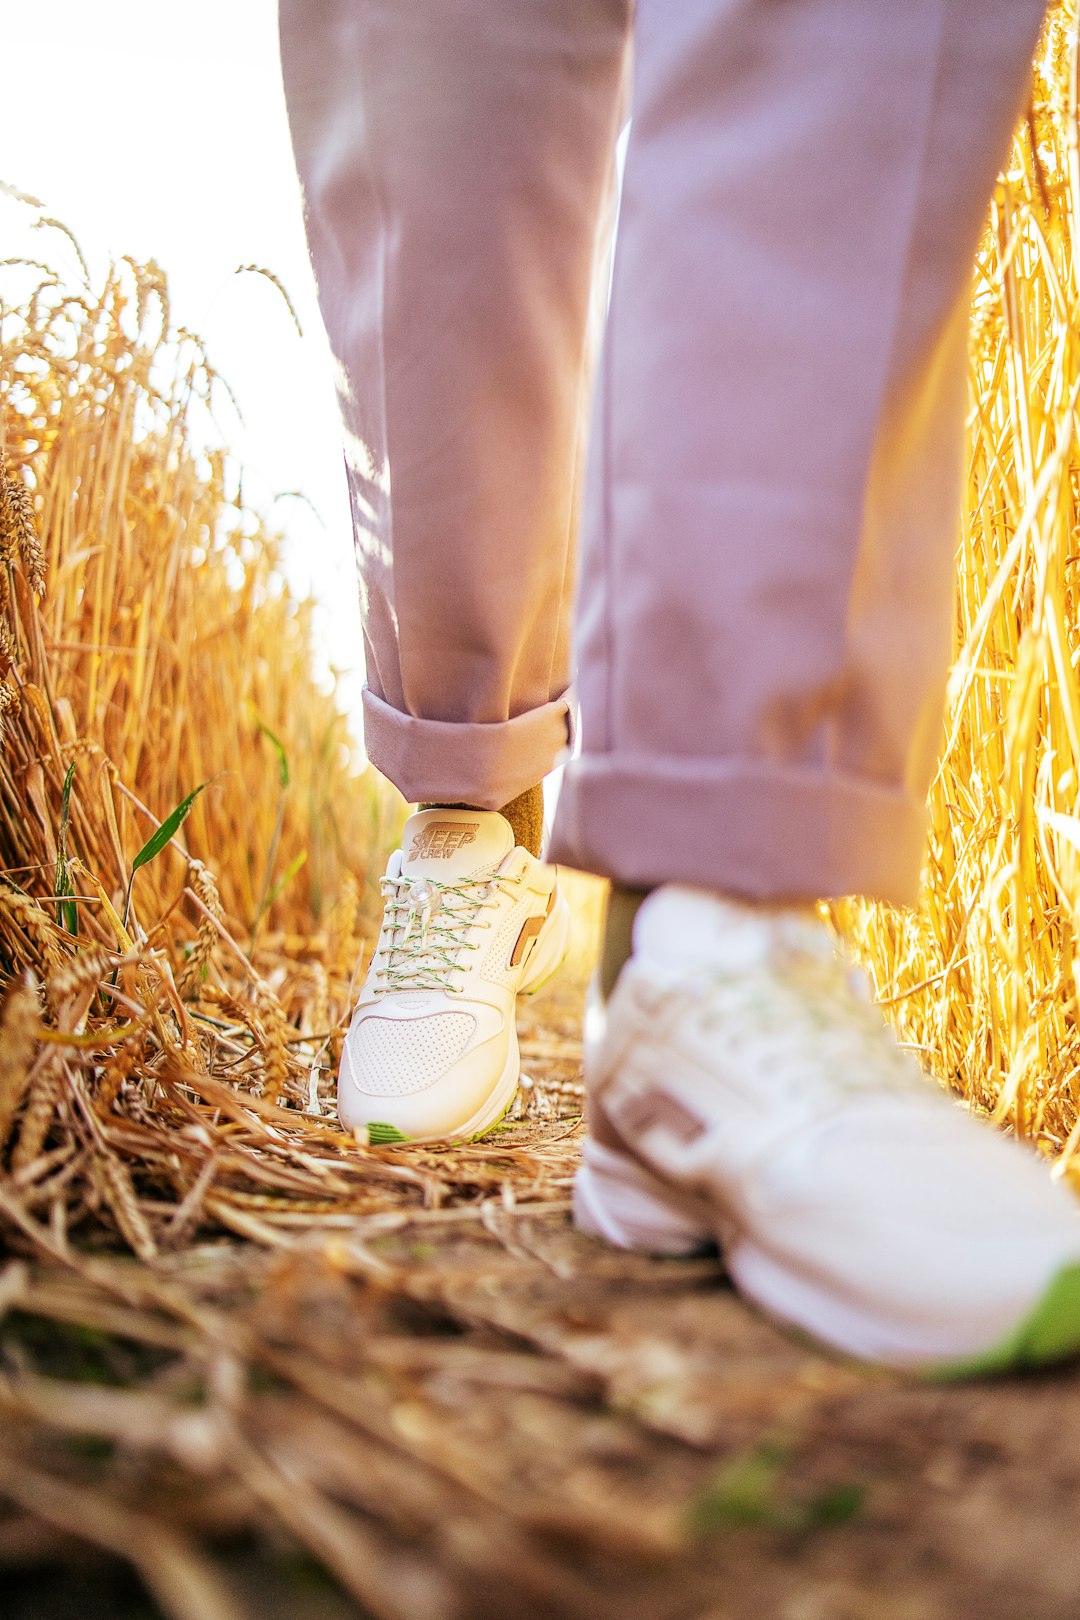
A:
{"x": 474, "y": 1411}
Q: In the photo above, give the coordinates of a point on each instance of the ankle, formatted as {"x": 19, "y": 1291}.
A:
{"x": 618, "y": 941}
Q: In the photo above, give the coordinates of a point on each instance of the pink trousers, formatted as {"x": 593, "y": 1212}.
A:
{"x": 763, "y": 601}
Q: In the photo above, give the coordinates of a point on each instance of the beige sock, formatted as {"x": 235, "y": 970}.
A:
{"x": 622, "y": 908}
{"x": 525, "y": 815}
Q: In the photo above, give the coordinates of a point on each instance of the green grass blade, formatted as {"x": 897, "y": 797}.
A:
{"x": 168, "y": 829}
{"x": 67, "y": 912}
{"x": 157, "y": 841}
{"x": 290, "y": 872}
{"x": 279, "y": 749}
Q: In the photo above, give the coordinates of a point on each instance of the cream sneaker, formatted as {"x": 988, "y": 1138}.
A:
{"x": 744, "y": 1091}
{"x": 471, "y": 921}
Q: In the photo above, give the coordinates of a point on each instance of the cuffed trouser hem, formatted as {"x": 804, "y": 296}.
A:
{"x": 746, "y": 828}
{"x": 451, "y": 762}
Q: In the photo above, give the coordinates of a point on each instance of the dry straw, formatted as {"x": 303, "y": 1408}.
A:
{"x": 190, "y": 854}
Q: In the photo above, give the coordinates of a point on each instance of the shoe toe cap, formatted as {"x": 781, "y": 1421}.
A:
{"x": 388, "y": 1057}
{"x": 426, "y": 1077}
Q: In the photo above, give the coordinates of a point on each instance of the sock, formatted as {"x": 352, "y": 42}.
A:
{"x": 525, "y": 815}
{"x": 622, "y": 908}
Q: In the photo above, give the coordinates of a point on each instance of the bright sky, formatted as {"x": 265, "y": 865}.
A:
{"x": 159, "y": 131}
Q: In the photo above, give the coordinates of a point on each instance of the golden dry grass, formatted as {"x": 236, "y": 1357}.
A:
{"x": 982, "y": 977}
{"x": 166, "y": 635}
{"x": 171, "y": 1025}
{"x": 149, "y": 646}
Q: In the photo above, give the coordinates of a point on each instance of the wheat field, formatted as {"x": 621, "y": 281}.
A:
{"x": 190, "y": 857}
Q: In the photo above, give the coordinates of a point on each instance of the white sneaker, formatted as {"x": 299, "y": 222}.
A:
{"x": 743, "y": 1091}
{"x": 471, "y": 919}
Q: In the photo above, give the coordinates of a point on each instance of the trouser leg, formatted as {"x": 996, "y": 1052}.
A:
{"x": 455, "y": 157}
{"x": 773, "y": 498}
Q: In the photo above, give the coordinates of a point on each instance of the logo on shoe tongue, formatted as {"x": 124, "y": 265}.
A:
{"x": 441, "y": 839}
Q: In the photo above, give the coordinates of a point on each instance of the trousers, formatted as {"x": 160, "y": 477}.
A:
{"x": 758, "y": 436}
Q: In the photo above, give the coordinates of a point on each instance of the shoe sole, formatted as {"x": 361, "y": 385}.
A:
{"x": 1049, "y": 1333}
{"x": 547, "y": 958}
{"x": 617, "y": 1199}
{"x": 622, "y": 1203}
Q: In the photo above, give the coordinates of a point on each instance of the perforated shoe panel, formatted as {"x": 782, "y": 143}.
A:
{"x": 398, "y": 1057}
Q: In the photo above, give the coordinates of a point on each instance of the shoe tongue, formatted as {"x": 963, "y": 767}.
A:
{"x": 688, "y": 927}
{"x": 450, "y": 844}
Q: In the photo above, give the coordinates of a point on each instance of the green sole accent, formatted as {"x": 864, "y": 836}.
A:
{"x": 1050, "y": 1333}
{"x": 478, "y": 1136}
{"x": 379, "y": 1134}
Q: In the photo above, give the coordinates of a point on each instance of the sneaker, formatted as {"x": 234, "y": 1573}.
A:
{"x": 745, "y": 1092}
{"x": 471, "y": 920}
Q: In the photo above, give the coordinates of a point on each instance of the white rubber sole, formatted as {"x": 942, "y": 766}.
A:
{"x": 618, "y": 1200}
{"x": 497, "y": 1102}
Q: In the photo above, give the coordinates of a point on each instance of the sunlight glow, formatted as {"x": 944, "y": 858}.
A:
{"x": 165, "y": 137}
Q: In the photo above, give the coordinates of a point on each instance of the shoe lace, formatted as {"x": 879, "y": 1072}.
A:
{"x": 809, "y": 1020}
{"x": 434, "y": 921}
